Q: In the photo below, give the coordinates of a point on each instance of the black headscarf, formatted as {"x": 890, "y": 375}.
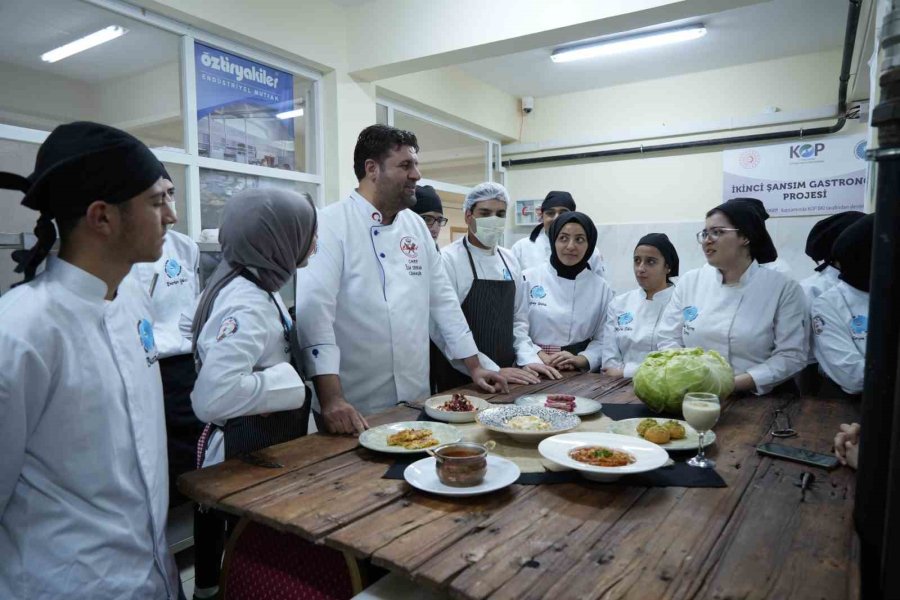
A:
{"x": 553, "y": 200}
{"x": 749, "y": 215}
{"x": 78, "y": 164}
{"x": 564, "y": 271}
{"x": 823, "y": 234}
{"x": 661, "y": 242}
{"x": 427, "y": 200}
{"x": 853, "y": 251}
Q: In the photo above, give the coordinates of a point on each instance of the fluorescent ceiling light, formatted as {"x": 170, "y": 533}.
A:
{"x": 290, "y": 114}
{"x": 637, "y": 42}
{"x": 80, "y": 45}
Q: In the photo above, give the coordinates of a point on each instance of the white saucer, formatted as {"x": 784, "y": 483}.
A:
{"x": 500, "y": 473}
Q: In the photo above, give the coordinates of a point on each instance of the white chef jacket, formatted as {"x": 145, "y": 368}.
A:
{"x": 567, "y": 311}
{"x": 83, "y": 478}
{"x": 760, "y": 325}
{"x": 814, "y": 286}
{"x": 488, "y": 266}
{"x": 246, "y": 367}
{"x": 781, "y": 266}
{"x": 534, "y": 254}
{"x": 840, "y": 323}
{"x": 632, "y": 325}
{"x": 364, "y": 302}
{"x": 175, "y": 283}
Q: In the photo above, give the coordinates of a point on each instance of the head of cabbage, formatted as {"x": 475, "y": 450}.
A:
{"x": 666, "y": 376}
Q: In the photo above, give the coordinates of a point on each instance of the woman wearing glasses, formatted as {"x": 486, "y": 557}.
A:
{"x": 756, "y": 318}
{"x": 428, "y": 206}
{"x": 632, "y": 322}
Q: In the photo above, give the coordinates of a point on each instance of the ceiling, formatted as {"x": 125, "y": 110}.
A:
{"x": 754, "y": 33}
{"x": 29, "y": 28}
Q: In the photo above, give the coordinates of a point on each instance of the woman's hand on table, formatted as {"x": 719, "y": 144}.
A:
{"x": 566, "y": 361}
{"x": 744, "y": 383}
{"x": 545, "y": 357}
{"x": 613, "y": 372}
{"x": 541, "y": 369}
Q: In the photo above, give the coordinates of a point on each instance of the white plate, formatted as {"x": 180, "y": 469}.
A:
{"x": 648, "y": 456}
{"x": 495, "y": 419}
{"x": 629, "y": 427}
{"x": 583, "y": 406}
{"x": 432, "y": 410}
{"x": 376, "y": 438}
{"x": 500, "y": 473}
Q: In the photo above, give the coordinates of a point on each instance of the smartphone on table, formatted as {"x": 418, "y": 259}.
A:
{"x": 800, "y": 455}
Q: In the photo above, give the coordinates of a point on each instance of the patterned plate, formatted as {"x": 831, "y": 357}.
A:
{"x": 498, "y": 419}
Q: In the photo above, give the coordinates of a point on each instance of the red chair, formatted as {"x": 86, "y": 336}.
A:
{"x": 264, "y": 564}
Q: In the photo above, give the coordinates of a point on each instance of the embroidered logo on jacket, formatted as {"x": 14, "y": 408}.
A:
{"x": 859, "y": 325}
{"x": 145, "y": 333}
{"x": 409, "y": 247}
{"x": 818, "y": 324}
{"x": 538, "y": 292}
{"x": 173, "y": 269}
{"x": 690, "y": 313}
{"x": 624, "y": 319}
{"x": 228, "y": 328}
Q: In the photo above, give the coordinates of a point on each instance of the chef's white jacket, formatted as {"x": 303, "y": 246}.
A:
{"x": 760, "y": 324}
{"x": 781, "y": 266}
{"x": 567, "y": 311}
{"x": 534, "y": 254}
{"x": 814, "y": 286}
{"x": 173, "y": 283}
{"x": 632, "y": 325}
{"x": 83, "y": 477}
{"x": 364, "y": 302}
{"x": 246, "y": 367}
{"x": 489, "y": 267}
{"x": 840, "y": 323}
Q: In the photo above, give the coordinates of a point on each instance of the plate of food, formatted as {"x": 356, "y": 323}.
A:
{"x": 423, "y": 475}
{"x": 671, "y": 434}
{"x": 573, "y": 404}
{"x": 603, "y": 456}
{"x": 527, "y": 423}
{"x": 408, "y": 437}
{"x": 455, "y": 408}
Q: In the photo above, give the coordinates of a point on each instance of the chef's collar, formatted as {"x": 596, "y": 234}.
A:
{"x": 745, "y": 277}
{"x": 371, "y": 214}
{"x": 78, "y": 281}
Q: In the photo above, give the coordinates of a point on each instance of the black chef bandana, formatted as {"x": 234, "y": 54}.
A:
{"x": 823, "y": 234}
{"x": 427, "y": 200}
{"x": 78, "y": 164}
{"x": 553, "y": 200}
{"x": 853, "y": 251}
{"x": 661, "y": 242}
{"x": 564, "y": 271}
{"x": 749, "y": 215}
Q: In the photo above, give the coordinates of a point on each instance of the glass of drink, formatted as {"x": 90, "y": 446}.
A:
{"x": 701, "y": 411}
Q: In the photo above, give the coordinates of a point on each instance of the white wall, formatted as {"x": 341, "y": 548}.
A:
{"x": 670, "y": 192}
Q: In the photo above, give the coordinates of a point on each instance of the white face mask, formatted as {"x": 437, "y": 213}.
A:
{"x": 489, "y": 230}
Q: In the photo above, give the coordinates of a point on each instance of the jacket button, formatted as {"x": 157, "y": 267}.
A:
{"x": 381, "y": 255}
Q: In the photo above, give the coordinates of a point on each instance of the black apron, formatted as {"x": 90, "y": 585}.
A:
{"x": 489, "y": 308}
{"x": 255, "y": 432}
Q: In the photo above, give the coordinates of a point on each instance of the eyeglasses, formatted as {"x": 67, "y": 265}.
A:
{"x": 713, "y": 234}
{"x": 432, "y": 220}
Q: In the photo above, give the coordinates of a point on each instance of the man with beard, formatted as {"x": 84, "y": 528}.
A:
{"x": 365, "y": 300}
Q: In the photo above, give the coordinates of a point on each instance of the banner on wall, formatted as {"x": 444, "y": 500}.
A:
{"x": 805, "y": 178}
{"x": 237, "y": 104}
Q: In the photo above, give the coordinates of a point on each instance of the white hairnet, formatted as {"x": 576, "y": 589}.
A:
{"x": 486, "y": 191}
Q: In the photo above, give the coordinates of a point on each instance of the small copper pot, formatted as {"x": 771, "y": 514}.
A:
{"x": 462, "y": 464}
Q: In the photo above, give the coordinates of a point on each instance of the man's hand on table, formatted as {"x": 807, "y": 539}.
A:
{"x": 338, "y": 414}
{"x": 489, "y": 381}
{"x": 846, "y": 444}
{"x": 519, "y": 376}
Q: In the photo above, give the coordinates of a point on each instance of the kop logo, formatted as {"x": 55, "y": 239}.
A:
{"x": 806, "y": 151}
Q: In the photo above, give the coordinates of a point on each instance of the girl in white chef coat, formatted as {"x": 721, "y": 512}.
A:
{"x": 633, "y": 317}
{"x": 840, "y": 316}
{"x": 755, "y": 318}
{"x": 247, "y": 386}
{"x": 567, "y": 301}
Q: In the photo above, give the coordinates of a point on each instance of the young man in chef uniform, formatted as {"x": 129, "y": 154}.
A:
{"x": 83, "y": 481}
{"x": 488, "y": 282}
{"x": 365, "y": 300}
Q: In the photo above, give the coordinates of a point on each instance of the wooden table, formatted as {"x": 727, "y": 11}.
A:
{"x": 755, "y": 538}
